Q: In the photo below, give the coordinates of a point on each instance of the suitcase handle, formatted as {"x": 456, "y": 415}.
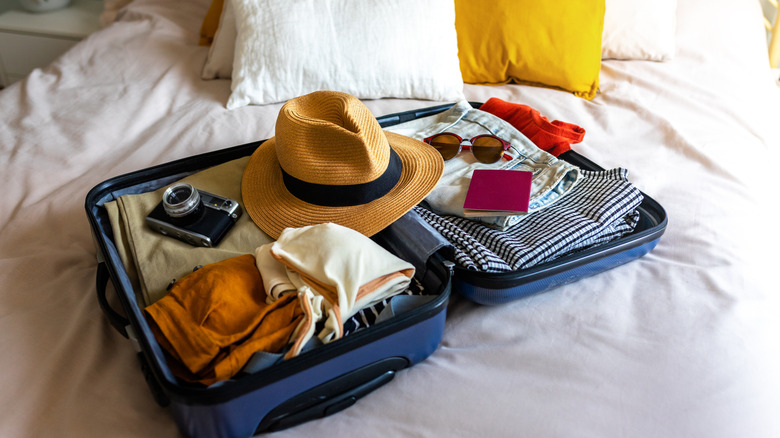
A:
{"x": 332, "y": 396}
{"x": 118, "y": 321}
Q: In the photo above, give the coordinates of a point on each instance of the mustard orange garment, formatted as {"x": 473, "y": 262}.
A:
{"x": 214, "y": 319}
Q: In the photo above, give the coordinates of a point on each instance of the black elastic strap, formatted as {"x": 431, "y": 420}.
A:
{"x": 118, "y": 321}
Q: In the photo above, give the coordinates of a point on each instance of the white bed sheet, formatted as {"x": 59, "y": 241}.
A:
{"x": 683, "y": 342}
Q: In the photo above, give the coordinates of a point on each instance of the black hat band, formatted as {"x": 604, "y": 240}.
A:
{"x": 346, "y": 195}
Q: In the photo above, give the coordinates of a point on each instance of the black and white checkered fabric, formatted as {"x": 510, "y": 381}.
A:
{"x": 600, "y": 208}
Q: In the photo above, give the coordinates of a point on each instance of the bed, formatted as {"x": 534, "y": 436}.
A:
{"x": 682, "y": 342}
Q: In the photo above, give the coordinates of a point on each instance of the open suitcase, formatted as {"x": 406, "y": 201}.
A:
{"x": 331, "y": 377}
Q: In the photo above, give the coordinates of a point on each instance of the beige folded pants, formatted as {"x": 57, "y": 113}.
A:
{"x": 152, "y": 260}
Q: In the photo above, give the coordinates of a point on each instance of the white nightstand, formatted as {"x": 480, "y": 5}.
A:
{"x": 30, "y": 40}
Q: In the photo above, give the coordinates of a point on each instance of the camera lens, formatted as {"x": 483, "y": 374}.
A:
{"x": 180, "y": 200}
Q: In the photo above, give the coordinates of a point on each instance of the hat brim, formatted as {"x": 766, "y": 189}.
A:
{"x": 273, "y": 208}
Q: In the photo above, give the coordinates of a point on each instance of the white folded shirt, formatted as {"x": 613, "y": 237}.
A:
{"x": 346, "y": 269}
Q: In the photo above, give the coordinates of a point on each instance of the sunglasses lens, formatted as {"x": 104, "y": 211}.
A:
{"x": 487, "y": 149}
{"x": 447, "y": 145}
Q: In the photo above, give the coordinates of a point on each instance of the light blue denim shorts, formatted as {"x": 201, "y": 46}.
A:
{"x": 552, "y": 178}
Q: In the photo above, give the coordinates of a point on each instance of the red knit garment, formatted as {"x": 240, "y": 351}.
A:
{"x": 555, "y": 137}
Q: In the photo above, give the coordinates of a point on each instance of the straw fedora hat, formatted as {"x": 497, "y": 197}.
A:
{"x": 330, "y": 161}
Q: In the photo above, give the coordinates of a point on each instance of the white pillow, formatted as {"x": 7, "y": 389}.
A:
{"x": 368, "y": 48}
{"x": 639, "y": 29}
{"x": 219, "y": 62}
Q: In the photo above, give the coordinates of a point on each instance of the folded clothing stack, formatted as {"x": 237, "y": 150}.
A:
{"x": 601, "y": 208}
{"x": 215, "y": 319}
{"x": 570, "y": 209}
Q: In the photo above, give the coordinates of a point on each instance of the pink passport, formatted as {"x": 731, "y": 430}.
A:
{"x": 497, "y": 192}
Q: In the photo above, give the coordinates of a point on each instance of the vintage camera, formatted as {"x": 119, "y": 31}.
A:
{"x": 193, "y": 216}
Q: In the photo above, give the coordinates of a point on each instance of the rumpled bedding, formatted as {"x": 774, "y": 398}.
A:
{"x": 682, "y": 342}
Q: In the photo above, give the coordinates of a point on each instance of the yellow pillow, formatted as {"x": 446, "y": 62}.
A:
{"x": 549, "y": 43}
{"x": 210, "y": 23}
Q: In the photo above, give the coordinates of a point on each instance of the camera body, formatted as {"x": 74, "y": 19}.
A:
{"x": 194, "y": 216}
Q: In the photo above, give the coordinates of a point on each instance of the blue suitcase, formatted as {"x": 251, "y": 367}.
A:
{"x": 332, "y": 377}
{"x": 316, "y": 383}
